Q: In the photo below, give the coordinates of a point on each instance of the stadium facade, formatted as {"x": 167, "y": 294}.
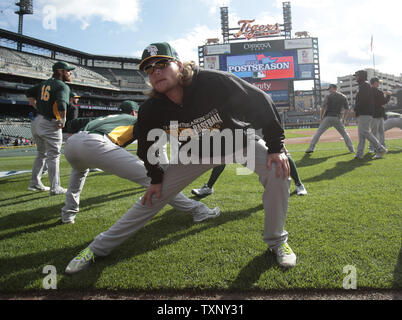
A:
{"x": 103, "y": 82}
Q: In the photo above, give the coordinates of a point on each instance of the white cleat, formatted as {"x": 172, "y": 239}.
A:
{"x": 204, "y": 215}
{"x": 58, "y": 191}
{"x": 203, "y": 192}
{"x": 285, "y": 255}
{"x": 82, "y": 261}
{"x": 301, "y": 190}
{"x": 38, "y": 187}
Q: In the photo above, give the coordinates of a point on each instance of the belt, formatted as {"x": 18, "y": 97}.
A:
{"x": 47, "y": 118}
{"x": 101, "y": 134}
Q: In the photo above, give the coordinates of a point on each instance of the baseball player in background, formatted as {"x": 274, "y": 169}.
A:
{"x": 101, "y": 144}
{"x": 333, "y": 114}
{"x": 194, "y": 98}
{"x": 50, "y": 98}
{"x": 364, "y": 110}
{"x": 72, "y": 109}
{"x": 377, "y": 124}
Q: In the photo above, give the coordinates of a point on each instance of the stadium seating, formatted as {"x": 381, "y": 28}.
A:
{"x": 21, "y": 63}
{"x": 109, "y": 76}
{"x": 20, "y": 130}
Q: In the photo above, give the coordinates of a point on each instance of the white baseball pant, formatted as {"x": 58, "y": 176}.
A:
{"x": 275, "y": 200}
{"x": 363, "y": 128}
{"x": 377, "y": 128}
{"x": 393, "y": 123}
{"x": 84, "y": 151}
{"x": 48, "y": 141}
{"x": 325, "y": 124}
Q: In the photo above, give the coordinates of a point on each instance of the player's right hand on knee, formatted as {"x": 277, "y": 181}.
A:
{"x": 153, "y": 189}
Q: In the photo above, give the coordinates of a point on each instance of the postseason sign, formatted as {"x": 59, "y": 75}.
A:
{"x": 266, "y": 66}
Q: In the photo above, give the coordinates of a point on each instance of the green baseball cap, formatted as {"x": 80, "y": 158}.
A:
{"x": 128, "y": 106}
{"x": 61, "y": 65}
{"x": 74, "y": 95}
{"x": 158, "y": 50}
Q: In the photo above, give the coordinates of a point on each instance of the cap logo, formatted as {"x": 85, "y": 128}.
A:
{"x": 153, "y": 50}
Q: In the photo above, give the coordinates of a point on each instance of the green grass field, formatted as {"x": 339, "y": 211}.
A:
{"x": 352, "y": 216}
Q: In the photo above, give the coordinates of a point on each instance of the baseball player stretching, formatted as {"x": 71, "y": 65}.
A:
{"x": 187, "y": 98}
{"x": 377, "y": 124}
{"x": 101, "y": 144}
{"x": 364, "y": 110}
{"x": 50, "y": 98}
{"x": 330, "y": 115}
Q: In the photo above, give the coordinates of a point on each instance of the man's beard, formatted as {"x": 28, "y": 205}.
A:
{"x": 67, "y": 78}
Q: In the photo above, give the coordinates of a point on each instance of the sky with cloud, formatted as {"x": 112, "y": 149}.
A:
{"x": 125, "y": 27}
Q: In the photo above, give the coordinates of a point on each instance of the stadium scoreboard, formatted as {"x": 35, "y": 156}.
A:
{"x": 270, "y": 65}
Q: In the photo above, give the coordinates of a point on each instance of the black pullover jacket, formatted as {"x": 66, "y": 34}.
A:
{"x": 364, "y": 100}
{"x": 379, "y": 102}
{"x": 213, "y": 100}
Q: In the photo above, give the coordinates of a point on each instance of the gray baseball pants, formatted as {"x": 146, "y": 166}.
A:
{"x": 363, "y": 128}
{"x": 275, "y": 200}
{"x": 325, "y": 124}
{"x": 377, "y": 128}
{"x": 48, "y": 143}
{"x": 84, "y": 151}
{"x": 393, "y": 123}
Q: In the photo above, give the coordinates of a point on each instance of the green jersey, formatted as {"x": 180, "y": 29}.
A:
{"x": 52, "y": 96}
{"x": 120, "y": 128}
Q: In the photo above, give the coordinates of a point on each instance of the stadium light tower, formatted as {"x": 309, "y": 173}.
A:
{"x": 287, "y": 19}
{"x": 225, "y": 24}
{"x": 25, "y": 7}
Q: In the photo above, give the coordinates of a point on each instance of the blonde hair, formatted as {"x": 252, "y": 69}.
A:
{"x": 185, "y": 78}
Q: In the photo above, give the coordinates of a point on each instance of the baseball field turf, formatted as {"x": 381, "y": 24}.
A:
{"x": 347, "y": 231}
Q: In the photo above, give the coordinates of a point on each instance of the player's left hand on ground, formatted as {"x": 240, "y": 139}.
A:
{"x": 282, "y": 164}
{"x": 152, "y": 189}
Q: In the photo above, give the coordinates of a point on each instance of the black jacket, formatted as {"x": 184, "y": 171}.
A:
{"x": 379, "y": 101}
{"x": 213, "y": 100}
{"x": 334, "y": 103}
{"x": 364, "y": 100}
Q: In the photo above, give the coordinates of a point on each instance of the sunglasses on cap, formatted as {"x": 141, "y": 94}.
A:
{"x": 160, "y": 64}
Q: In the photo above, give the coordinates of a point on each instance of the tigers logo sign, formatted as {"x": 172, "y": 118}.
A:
{"x": 256, "y": 31}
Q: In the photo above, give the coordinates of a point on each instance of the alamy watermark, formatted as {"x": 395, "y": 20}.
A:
{"x": 49, "y": 21}
{"x": 239, "y": 147}
{"x": 350, "y": 281}
{"x": 50, "y": 281}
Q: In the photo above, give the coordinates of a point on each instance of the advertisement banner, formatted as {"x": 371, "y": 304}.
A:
{"x": 265, "y": 66}
{"x": 298, "y": 43}
{"x": 257, "y": 46}
{"x": 305, "y": 56}
{"x": 211, "y": 62}
{"x": 280, "y": 85}
{"x": 217, "y": 49}
{"x": 279, "y": 95}
{"x": 306, "y": 71}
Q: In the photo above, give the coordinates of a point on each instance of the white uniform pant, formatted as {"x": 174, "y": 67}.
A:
{"x": 275, "y": 200}
{"x": 364, "y": 131}
{"x": 377, "y": 128}
{"x": 325, "y": 124}
{"x": 48, "y": 141}
{"x": 393, "y": 123}
{"x": 84, "y": 151}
